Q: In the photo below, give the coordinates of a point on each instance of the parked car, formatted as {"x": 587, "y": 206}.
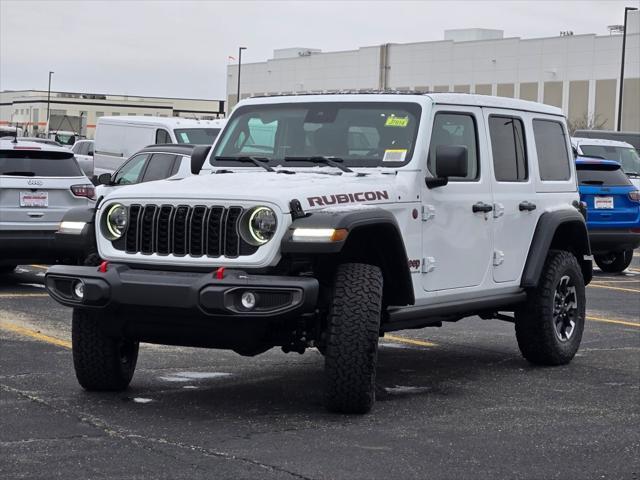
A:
{"x": 450, "y": 206}
{"x": 83, "y": 150}
{"x": 613, "y": 212}
{"x": 39, "y": 185}
{"x": 632, "y": 138}
{"x": 117, "y": 138}
{"x": 155, "y": 162}
{"x": 620, "y": 152}
{"x": 45, "y": 141}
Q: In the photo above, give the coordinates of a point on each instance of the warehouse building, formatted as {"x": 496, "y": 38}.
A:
{"x": 79, "y": 112}
{"x": 578, "y": 73}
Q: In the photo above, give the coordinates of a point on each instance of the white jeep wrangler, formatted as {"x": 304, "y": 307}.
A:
{"x": 327, "y": 220}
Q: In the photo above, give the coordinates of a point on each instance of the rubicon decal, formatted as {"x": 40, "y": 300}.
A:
{"x": 348, "y": 198}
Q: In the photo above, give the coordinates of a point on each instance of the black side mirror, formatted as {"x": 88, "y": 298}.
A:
{"x": 451, "y": 161}
{"x": 104, "y": 179}
{"x": 198, "y": 157}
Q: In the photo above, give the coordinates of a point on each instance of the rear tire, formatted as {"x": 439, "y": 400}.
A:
{"x": 549, "y": 325}
{"x": 614, "y": 262}
{"x": 352, "y": 339}
{"x": 101, "y": 363}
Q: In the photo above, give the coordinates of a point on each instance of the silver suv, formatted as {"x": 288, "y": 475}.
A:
{"x": 38, "y": 184}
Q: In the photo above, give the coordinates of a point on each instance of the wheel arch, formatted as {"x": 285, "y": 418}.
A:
{"x": 558, "y": 230}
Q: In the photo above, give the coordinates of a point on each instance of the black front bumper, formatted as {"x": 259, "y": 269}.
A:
{"x": 194, "y": 294}
{"x": 606, "y": 241}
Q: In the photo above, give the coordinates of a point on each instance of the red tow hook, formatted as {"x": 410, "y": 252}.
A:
{"x": 103, "y": 267}
{"x": 220, "y": 273}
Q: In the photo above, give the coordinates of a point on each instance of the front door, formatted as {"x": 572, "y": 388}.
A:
{"x": 457, "y": 237}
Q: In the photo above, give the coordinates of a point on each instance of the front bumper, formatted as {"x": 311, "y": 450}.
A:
{"x": 195, "y": 294}
{"x": 605, "y": 241}
{"x": 28, "y": 246}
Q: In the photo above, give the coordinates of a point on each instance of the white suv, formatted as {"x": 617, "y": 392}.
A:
{"x": 327, "y": 220}
{"x": 39, "y": 184}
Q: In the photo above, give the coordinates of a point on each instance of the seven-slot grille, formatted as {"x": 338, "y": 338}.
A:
{"x": 184, "y": 230}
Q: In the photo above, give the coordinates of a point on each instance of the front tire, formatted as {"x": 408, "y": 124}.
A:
{"x": 101, "y": 363}
{"x": 352, "y": 338}
{"x": 614, "y": 262}
{"x": 549, "y": 326}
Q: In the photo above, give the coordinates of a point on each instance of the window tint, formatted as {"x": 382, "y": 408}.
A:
{"x": 605, "y": 176}
{"x": 178, "y": 162}
{"x": 455, "y": 129}
{"x": 508, "y": 149}
{"x": 83, "y": 148}
{"x": 130, "y": 171}
{"x": 159, "y": 167}
{"x": 76, "y": 147}
{"x": 90, "y": 148}
{"x": 551, "y": 145}
{"x": 198, "y": 136}
{"x": 33, "y": 163}
{"x": 162, "y": 136}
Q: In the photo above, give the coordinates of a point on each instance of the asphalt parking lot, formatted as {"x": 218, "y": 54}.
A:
{"x": 453, "y": 402}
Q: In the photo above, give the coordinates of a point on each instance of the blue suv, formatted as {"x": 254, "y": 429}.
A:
{"x": 613, "y": 212}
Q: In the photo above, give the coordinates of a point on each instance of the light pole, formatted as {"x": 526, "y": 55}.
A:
{"x": 49, "y": 100}
{"x": 239, "y": 67}
{"x": 624, "y": 45}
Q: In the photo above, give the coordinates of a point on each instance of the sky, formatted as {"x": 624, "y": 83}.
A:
{"x": 182, "y": 48}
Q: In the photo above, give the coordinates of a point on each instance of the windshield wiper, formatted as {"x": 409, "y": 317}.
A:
{"x": 19, "y": 174}
{"x": 331, "y": 161}
{"x": 257, "y": 161}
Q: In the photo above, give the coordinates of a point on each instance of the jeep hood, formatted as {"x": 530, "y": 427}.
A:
{"x": 314, "y": 190}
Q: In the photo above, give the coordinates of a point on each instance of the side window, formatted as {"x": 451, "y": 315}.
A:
{"x": 131, "y": 170}
{"x": 162, "y": 136}
{"x": 76, "y": 148}
{"x": 179, "y": 161}
{"x": 508, "y": 149}
{"x": 551, "y": 145}
{"x": 90, "y": 149}
{"x": 159, "y": 167}
{"x": 456, "y": 129}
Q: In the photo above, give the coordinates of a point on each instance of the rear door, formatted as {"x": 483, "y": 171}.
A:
{"x": 35, "y": 188}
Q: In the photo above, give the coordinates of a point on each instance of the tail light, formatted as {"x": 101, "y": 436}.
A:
{"x": 84, "y": 191}
{"x": 634, "y": 196}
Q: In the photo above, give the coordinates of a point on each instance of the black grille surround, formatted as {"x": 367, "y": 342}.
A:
{"x": 184, "y": 230}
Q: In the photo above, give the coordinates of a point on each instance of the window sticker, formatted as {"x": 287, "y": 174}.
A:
{"x": 394, "y": 121}
{"x": 185, "y": 137}
{"x": 394, "y": 155}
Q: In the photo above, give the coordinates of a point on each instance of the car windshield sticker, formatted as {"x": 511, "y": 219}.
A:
{"x": 185, "y": 137}
{"x": 396, "y": 121}
{"x": 394, "y": 155}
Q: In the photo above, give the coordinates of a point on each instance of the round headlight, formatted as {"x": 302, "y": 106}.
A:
{"x": 258, "y": 225}
{"x": 116, "y": 220}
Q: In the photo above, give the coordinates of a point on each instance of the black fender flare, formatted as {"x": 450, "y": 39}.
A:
{"x": 572, "y": 225}
{"x": 360, "y": 221}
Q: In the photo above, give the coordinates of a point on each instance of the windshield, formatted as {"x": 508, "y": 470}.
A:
{"x": 626, "y": 156}
{"x": 34, "y": 163}
{"x": 196, "y": 136}
{"x": 362, "y": 134}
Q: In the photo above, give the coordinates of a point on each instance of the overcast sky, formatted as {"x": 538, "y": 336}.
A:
{"x": 181, "y": 48}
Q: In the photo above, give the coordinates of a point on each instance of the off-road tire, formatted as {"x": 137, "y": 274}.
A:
{"x": 352, "y": 338}
{"x": 102, "y": 363}
{"x": 614, "y": 262}
{"x": 536, "y": 322}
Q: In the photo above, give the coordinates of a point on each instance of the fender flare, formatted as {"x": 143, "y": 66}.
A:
{"x": 543, "y": 240}
{"x": 83, "y": 241}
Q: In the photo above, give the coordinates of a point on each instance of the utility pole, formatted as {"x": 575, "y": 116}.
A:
{"x": 49, "y": 101}
{"x": 239, "y": 67}
{"x": 624, "y": 45}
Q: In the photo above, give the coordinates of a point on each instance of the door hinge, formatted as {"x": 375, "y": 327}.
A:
{"x": 498, "y": 257}
{"x": 428, "y": 212}
{"x": 498, "y": 210}
{"x": 428, "y": 264}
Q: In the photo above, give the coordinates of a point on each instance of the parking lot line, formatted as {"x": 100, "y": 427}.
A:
{"x": 410, "y": 341}
{"x": 43, "y": 267}
{"x": 619, "y": 322}
{"x": 19, "y": 295}
{"x": 596, "y": 285}
{"x": 27, "y": 332}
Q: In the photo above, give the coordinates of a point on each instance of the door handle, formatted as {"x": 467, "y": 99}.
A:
{"x": 527, "y": 206}
{"x": 482, "y": 207}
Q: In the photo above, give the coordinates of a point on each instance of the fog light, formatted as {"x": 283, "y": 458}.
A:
{"x": 78, "y": 289}
{"x": 248, "y": 300}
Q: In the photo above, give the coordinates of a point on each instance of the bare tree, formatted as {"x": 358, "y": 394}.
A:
{"x": 586, "y": 122}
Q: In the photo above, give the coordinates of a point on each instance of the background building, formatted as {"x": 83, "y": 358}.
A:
{"x": 79, "y": 111}
{"x": 578, "y": 73}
